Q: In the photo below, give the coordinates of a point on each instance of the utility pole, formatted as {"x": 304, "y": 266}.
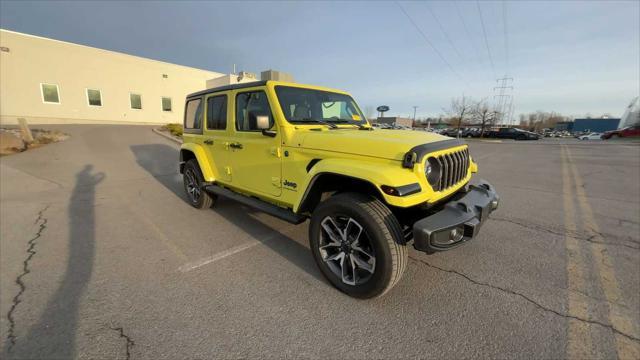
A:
{"x": 504, "y": 99}
{"x": 414, "y": 112}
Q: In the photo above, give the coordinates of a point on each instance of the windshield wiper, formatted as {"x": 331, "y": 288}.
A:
{"x": 309, "y": 120}
{"x": 347, "y": 121}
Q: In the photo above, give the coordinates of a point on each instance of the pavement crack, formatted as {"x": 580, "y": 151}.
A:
{"x": 528, "y": 299}
{"x": 31, "y": 252}
{"x": 575, "y": 235}
{"x": 130, "y": 343}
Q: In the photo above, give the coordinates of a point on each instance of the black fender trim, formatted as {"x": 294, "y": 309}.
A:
{"x": 312, "y": 183}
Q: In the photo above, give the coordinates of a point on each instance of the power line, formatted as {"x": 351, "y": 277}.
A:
{"x": 506, "y": 34}
{"x": 486, "y": 42}
{"x": 424, "y": 36}
{"x": 433, "y": 14}
{"x": 466, "y": 30}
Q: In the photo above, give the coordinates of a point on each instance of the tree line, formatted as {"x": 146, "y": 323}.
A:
{"x": 467, "y": 112}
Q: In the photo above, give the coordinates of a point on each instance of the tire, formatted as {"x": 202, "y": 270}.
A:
{"x": 192, "y": 179}
{"x": 379, "y": 245}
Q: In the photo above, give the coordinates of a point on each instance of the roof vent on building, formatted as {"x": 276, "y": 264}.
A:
{"x": 246, "y": 76}
{"x": 276, "y": 75}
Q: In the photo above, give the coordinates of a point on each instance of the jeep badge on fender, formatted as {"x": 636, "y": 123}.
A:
{"x": 367, "y": 192}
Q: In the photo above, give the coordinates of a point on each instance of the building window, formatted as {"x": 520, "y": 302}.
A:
{"x": 193, "y": 115}
{"x": 50, "y": 93}
{"x": 94, "y": 97}
{"x": 136, "y": 101}
{"x": 217, "y": 112}
{"x": 166, "y": 104}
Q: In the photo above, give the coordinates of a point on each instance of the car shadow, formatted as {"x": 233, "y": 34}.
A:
{"x": 53, "y": 336}
{"x": 159, "y": 159}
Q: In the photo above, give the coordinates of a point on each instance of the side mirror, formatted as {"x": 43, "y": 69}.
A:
{"x": 262, "y": 122}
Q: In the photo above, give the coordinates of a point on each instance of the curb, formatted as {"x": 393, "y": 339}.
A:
{"x": 161, "y": 133}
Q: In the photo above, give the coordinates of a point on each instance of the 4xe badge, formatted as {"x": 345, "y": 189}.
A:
{"x": 290, "y": 184}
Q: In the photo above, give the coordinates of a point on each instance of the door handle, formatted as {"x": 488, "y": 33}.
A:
{"x": 236, "y": 145}
{"x": 208, "y": 142}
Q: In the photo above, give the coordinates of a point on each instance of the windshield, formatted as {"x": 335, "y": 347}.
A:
{"x": 315, "y": 106}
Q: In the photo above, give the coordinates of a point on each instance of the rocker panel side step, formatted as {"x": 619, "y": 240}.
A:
{"x": 273, "y": 210}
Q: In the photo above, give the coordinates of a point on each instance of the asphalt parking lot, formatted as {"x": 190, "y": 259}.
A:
{"x": 101, "y": 257}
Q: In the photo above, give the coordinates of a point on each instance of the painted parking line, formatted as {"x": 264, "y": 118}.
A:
{"x": 215, "y": 257}
{"x": 579, "y": 344}
{"x": 618, "y": 318}
{"x": 232, "y": 251}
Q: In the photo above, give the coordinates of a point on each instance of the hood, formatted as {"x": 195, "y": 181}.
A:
{"x": 386, "y": 144}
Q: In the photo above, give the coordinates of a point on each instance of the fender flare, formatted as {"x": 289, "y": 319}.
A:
{"x": 372, "y": 173}
{"x": 200, "y": 155}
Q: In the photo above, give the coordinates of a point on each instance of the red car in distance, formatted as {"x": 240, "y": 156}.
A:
{"x": 624, "y": 132}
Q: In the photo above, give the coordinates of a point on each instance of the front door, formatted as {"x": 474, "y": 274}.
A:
{"x": 255, "y": 158}
{"x": 216, "y": 135}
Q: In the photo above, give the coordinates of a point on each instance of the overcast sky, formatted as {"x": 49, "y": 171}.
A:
{"x": 571, "y": 57}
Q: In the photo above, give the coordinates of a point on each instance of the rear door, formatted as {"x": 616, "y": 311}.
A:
{"x": 216, "y": 135}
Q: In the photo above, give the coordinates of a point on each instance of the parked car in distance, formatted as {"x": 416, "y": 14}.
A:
{"x": 513, "y": 133}
{"x": 591, "y": 136}
{"x": 451, "y": 132}
{"x": 629, "y": 131}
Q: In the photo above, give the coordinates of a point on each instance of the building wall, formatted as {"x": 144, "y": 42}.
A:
{"x": 394, "y": 120}
{"x": 595, "y": 125}
{"x": 32, "y": 60}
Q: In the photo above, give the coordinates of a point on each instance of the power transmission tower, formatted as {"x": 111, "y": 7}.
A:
{"x": 504, "y": 99}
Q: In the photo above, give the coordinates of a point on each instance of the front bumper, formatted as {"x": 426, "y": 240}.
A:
{"x": 459, "y": 220}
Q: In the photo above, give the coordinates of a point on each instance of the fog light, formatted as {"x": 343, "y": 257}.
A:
{"x": 494, "y": 204}
{"x": 456, "y": 235}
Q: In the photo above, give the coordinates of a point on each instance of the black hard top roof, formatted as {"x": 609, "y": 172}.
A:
{"x": 228, "y": 87}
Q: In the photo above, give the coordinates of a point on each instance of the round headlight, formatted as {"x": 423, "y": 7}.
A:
{"x": 432, "y": 170}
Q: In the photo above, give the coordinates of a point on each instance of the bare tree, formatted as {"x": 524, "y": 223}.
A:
{"x": 460, "y": 110}
{"x": 484, "y": 115}
{"x": 541, "y": 120}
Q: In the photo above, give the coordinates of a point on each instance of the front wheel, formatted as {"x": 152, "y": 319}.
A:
{"x": 358, "y": 245}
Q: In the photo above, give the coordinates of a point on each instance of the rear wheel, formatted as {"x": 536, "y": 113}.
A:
{"x": 357, "y": 243}
{"x": 193, "y": 180}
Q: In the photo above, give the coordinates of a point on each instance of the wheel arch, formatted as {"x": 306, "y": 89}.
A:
{"x": 329, "y": 182}
{"x": 195, "y": 151}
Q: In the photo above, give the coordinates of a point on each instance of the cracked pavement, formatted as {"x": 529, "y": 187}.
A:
{"x": 95, "y": 231}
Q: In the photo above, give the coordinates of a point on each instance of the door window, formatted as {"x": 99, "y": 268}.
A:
{"x": 193, "y": 115}
{"x": 217, "y": 112}
{"x": 250, "y": 105}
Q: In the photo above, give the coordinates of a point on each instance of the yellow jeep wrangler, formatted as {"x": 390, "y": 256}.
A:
{"x": 298, "y": 151}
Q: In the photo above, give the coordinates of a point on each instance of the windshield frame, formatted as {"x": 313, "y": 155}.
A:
{"x": 312, "y": 121}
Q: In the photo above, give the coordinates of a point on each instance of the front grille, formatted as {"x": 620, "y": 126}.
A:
{"x": 453, "y": 168}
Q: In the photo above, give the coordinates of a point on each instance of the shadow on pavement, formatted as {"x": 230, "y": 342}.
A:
{"x": 159, "y": 160}
{"x": 54, "y": 334}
